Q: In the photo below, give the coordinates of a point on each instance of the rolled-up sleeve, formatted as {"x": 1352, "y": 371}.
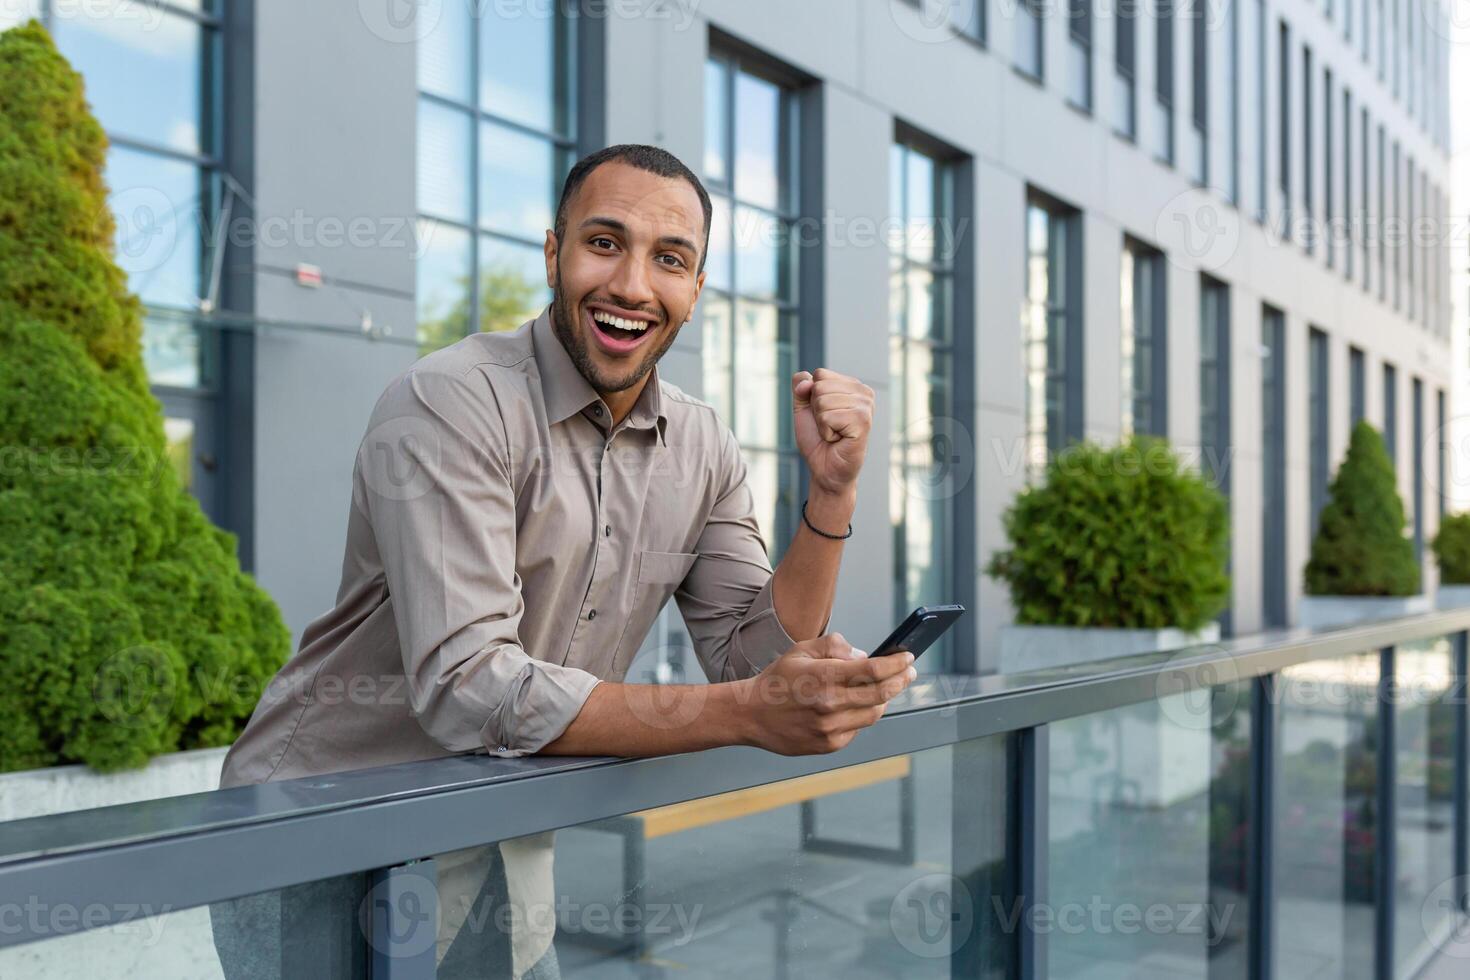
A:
{"x": 436, "y": 475}
{"x": 726, "y": 598}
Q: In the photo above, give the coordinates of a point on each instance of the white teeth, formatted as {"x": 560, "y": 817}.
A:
{"x": 619, "y": 322}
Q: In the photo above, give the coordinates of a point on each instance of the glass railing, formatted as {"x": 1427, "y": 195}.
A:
{"x": 1284, "y": 805}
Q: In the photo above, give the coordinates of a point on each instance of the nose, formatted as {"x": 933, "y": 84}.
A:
{"x": 631, "y": 286}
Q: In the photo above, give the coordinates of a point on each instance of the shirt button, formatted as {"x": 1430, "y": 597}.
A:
{"x": 607, "y": 531}
{"x": 592, "y": 614}
{"x": 597, "y": 410}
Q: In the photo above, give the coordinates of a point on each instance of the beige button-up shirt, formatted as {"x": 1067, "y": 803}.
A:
{"x": 507, "y": 549}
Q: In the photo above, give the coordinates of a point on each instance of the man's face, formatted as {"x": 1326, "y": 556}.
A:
{"x": 629, "y": 254}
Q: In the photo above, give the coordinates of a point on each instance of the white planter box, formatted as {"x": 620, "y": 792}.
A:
{"x": 38, "y": 792}
{"x": 1325, "y": 612}
{"x": 1453, "y": 597}
{"x": 1037, "y": 647}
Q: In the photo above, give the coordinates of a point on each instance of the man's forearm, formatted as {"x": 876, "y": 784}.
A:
{"x": 656, "y": 719}
{"x": 806, "y": 580}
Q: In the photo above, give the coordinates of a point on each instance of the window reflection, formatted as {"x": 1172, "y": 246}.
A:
{"x": 920, "y": 368}
{"x": 1326, "y": 816}
{"x": 482, "y": 87}
{"x": 749, "y": 303}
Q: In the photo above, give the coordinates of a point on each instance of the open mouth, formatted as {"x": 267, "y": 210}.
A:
{"x": 618, "y": 335}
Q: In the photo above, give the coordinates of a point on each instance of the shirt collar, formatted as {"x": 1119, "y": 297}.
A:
{"x": 565, "y": 392}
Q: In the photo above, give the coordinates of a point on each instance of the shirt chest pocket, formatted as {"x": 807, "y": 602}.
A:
{"x": 659, "y": 574}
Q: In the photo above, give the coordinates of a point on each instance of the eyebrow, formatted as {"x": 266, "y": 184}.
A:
{"x": 613, "y": 224}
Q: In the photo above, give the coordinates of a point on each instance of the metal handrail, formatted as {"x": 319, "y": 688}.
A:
{"x": 273, "y": 835}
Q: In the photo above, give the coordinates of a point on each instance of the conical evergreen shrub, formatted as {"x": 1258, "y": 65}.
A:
{"x": 1452, "y": 549}
{"x": 1360, "y": 548}
{"x": 126, "y": 626}
{"x": 1121, "y": 537}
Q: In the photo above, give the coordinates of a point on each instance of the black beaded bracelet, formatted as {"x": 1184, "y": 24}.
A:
{"x": 817, "y": 530}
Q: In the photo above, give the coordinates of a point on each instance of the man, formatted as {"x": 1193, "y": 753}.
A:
{"x": 524, "y": 504}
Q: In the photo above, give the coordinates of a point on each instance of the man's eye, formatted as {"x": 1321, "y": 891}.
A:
{"x": 674, "y": 260}
{"x": 602, "y": 242}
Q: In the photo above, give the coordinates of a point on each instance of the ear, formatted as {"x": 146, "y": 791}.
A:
{"x": 698, "y": 288}
{"x": 550, "y": 248}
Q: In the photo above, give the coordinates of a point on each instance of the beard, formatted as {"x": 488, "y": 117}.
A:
{"x": 565, "y": 317}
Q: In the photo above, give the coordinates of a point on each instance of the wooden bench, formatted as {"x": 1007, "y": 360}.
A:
{"x": 636, "y": 829}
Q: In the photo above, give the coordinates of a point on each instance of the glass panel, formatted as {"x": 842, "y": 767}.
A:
{"x": 444, "y": 53}
{"x": 1123, "y": 104}
{"x": 719, "y": 273}
{"x": 157, "y": 204}
{"x": 758, "y": 171}
{"x": 178, "y": 436}
{"x": 1326, "y": 817}
{"x": 520, "y": 179}
{"x": 1079, "y": 68}
{"x": 309, "y": 930}
{"x": 716, "y": 122}
{"x": 761, "y": 251}
{"x": 763, "y": 367}
{"x": 1147, "y": 829}
{"x": 444, "y": 162}
{"x": 764, "y": 478}
{"x": 519, "y": 63}
{"x": 718, "y": 369}
{"x": 443, "y": 285}
{"x": 1028, "y": 40}
{"x": 143, "y": 69}
{"x": 512, "y": 284}
{"x": 863, "y": 871}
{"x": 171, "y": 351}
{"x": 919, "y": 213}
{"x": 1424, "y": 746}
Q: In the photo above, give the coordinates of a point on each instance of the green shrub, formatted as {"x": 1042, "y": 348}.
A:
{"x": 126, "y": 626}
{"x": 1360, "y": 548}
{"x": 1117, "y": 537}
{"x": 1452, "y": 549}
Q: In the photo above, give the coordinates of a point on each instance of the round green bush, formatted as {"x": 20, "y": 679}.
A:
{"x": 1360, "y": 548}
{"x": 127, "y": 628}
{"x": 1121, "y": 537}
{"x": 1452, "y": 549}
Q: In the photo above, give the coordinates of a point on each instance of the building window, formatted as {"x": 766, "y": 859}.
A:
{"x": 1410, "y": 236}
{"x": 160, "y": 110}
{"x": 1357, "y": 386}
{"x": 1079, "y": 53}
{"x": 1442, "y": 450}
{"x": 1163, "y": 118}
{"x": 1125, "y": 73}
{"x": 1391, "y": 414}
{"x": 1030, "y": 38}
{"x": 1395, "y": 232}
{"x": 1273, "y": 489}
{"x": 1380, "y": 218}
{"x": 1283, "y": 127}
{"x": 1232, "y": 96}
{"x": 1145, "y": 335}
{"x": 922, "y": 369}
{"x": 1349, "y": 238}
{"x": 1363, "y": 198}
{"x": 1258, "y": 20}
{"x": 1199, "y": 142}
{"x": 496, "y": 136}
{"x": 749, "y": 305}
{"x": 1417, "y": 422}
{"x": 1329, "y": 209}
{"x": 1052, "y": 329}
{"x": 1309, "y": 237}
{"x": 1319, "y": 463}
{"x": 1214, "y": 382}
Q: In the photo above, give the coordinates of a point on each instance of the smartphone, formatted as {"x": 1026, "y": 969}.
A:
{"x": 922, "y": 627}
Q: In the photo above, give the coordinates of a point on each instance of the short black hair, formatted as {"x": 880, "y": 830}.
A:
{"x": 653, "y": 159}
